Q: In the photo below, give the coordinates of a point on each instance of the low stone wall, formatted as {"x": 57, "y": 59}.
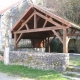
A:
{"x": 44, "y": 61}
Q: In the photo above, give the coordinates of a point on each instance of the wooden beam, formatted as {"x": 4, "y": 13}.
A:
{"x": 19, "y": 38}
{"x": 15, "y": 38}
{"x": 57, "y": 35}
{"x": 39, "y": 29}
{"x": 50, "y": 20}
{"x": 22, "y": 21}
{"x": 35, "y": 20}
{"x": 45, "y": 23}
{"x": 25, "y": 22}
{"x": 27, "y": 27}
{"x": 48, "y": 45}
{"x": 76, "y": 34}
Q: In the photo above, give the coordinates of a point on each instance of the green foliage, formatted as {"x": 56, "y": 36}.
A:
{"x": 68, "y": 9}
{"x": 75, "y": 60}
{"x": 24, "y": 71}
{"x": 55, "y": 46}
{"x": 1, "y": 53}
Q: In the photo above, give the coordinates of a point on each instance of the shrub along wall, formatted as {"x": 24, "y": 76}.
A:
{"x": 44, "y": 61}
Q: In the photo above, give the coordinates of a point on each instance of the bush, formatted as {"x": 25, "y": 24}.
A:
{"x": 1, "y": 53}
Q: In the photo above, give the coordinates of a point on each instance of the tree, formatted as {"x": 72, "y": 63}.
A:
{"x": 68, "y": 9}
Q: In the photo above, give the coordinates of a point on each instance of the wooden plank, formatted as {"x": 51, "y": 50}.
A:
{"x": 35, "y": 20}
{"x": 57, "y": 35}
{"x": 39, "y": 29}
{"x": 45, "y": 23}
{"x": 19, "y": 38}
{"x": 25, "y": 22}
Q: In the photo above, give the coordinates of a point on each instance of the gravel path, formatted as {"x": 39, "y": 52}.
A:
{"x": 4, "y": 76}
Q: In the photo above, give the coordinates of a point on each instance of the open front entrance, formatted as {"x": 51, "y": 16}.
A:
{"x": 39, "y": 25}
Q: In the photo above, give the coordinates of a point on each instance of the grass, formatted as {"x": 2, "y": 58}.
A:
{"x": 75, "y": 60}
{"x": 31, "y": 73}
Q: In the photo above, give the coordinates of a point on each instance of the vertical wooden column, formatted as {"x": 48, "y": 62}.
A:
{"x": 48, "y": 45}
{"x": 43, "y": 43}
{"x": 15, "y": 40}
{"x": 65, "y": 40}
{"x": 35, "y": 20}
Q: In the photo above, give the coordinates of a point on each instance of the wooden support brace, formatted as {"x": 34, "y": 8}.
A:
{"x": 45, "y": 23}
{"x": 19, "y": 38}
{"x": 27, "y": 27}
{"x": 57, "y": 35}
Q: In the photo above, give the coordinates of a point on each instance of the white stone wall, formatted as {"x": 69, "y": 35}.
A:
{"x": 8, "y": 20}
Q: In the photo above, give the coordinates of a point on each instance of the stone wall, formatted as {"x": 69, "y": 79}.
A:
{"x": 8, "y": 20}
{"x": 46, "y": 61}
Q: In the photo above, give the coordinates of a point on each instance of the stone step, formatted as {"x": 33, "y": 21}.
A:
{"x": 72, "y": 74}
{"x": 71, "y": 78}
{"x": 73, "y": 69}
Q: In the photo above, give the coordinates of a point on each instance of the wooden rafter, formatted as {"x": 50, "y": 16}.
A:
{"x": 57, "y": 35}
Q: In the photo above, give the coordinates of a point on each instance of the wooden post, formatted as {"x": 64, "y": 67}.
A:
{"x": 15, "y": 39}
{"x": 35, "y": 20}
{"x": 43, "y": 43}
{"x": 48, "y": 45}
{"x": 65, "y": 40}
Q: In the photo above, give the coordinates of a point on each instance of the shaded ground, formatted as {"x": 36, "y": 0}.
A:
{"x": 4, "y": 76}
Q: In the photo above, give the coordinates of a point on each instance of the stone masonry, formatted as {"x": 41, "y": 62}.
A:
{"x": 7, "y": 20}
{"x": 44, "y": 61}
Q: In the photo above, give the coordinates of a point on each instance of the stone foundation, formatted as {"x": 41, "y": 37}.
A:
{"x": 44, "y": 61}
